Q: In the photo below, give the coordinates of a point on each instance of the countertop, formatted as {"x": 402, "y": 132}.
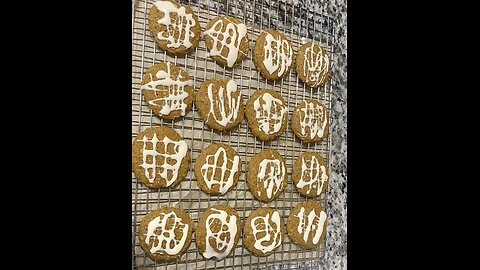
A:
{"x": 336, "y": 256}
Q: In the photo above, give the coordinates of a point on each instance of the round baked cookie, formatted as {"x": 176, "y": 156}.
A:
{"x": 174, "y": 27}
{"x": 266, "y": 175}
{"x": 165, "y": 233}
{"x": 273, "y": 54}
{"x": 218, "y": 231}
{"x": 306, "y": 224}
{"x": 220, "y": 104}
{"x": 267, "y": 114}
{"x": 310, "y": 121}
{"x": 217, "y": 169}
{"x": 167, "y": 90}
{"x": 310, "y": 174}
{"x": 226, "y": 39}
{"x": 312, "y": 64}
{"x": 160, "y": 157}
{"x": 263, "y": 231}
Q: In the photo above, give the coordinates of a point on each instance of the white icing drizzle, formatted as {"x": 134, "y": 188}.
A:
{"x": 275, "y": 177}
{"x": 278, "y": 59}
{"x": 175, "y": 94}
{"x": 264, "y": 223}
{"x": 267, "y": 115}
{"x": 315, "y": 119}
{"x": 223, "y": 242}
{"x": 311, "y": 223}
{"x": 167, "y": 234}
{"x": 180, "y": 149}
{"x": 316, "y": 64}
{"x": 230, "y": 39}
{"x": 211, "y": 165}
{"x": 317, "y": 174}
{"x": 226, "y": 103}
{"x": 182, "y": 25}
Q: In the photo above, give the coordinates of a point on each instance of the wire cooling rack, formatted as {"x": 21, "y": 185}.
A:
{"x": 301, "y": 25}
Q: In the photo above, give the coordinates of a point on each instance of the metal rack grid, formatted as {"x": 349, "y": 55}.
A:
{"x": 301, "y": 25}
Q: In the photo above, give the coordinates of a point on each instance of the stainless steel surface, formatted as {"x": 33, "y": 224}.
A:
{"x": 301, "y": 26}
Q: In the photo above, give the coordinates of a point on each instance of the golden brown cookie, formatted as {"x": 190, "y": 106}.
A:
{"x": 220, "y": 104}
{"x": 310, "y": 174}
{"x": 217, "y": 169}
{"x": 310, "y": 121}
{"x": 168, "y": 90}
{"x": 165, "y": 233}
{"x": 313, "y": 64}
{"x": 174, "y": 27}
{"x": 226, "y": 39}
{"x": 218, "y": 231}
{"x": 267, "y": 114}
{"x": 267, "y": 175}
{"x": 263, "y": 231}
{"x": 306, "y": 224}
{"x": 160, "y": 157}
{"x": 273, "y": 54}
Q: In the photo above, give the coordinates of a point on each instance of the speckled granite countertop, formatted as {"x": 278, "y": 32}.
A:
{"x": 336, "y": 256}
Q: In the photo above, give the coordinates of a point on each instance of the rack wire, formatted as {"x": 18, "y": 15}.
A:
{"x": 301, "y": 24}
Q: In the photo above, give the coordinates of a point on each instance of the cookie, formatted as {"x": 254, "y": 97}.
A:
{"x": 263, "y": 231}
{"x": 167, "y": 90}
{"x": 174, "y": 27}
{"x": 160, "y": 157}
{"x": 266, "y": 175}
{"x": 217, "y": 169}
{"x": 306, "y": 224}
{"x": 273, "y": 54}
{"x": 226, "y": 39}
{"x": 220, "y": 104}
{"x": 310, "y": 174}
{"x": 267, "y": 114}
{"x": 312, "y": 64}
{"x": 165, "y": 233}
{"x": 310, "y": 121}
{"x": 218, "y": 231}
